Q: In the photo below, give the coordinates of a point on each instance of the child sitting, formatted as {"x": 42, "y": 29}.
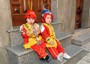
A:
{"x": 48, "y": 34}
{"x": 31, "y": 33}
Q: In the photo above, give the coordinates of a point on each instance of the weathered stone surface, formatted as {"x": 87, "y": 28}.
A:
{"x": 82, "y": 39}
{"x": 15, "y": 37}
{"x": 18, "y": 55}
{"x": 2, "y": 55}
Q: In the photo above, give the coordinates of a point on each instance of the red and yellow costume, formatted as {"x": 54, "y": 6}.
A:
{"x": 48, "y": 34}
{"x": 31, "y": 40}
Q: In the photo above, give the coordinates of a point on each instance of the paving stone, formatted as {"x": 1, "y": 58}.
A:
{"x": 86, "y": 46}
{"x": 86, "y": 59}
{"x": 83, "y": 62}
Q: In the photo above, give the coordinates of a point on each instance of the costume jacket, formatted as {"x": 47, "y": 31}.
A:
{"x": 33, "y": 39}
{"x": 49, "y": 35}
{"x": 29, "y": 35}
{"x": 53, "y": 45}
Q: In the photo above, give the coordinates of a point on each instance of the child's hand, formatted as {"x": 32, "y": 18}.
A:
{"x": 24, "y": 32}
{"x": 52, "y": 43}
{"x": 32, "y": 31}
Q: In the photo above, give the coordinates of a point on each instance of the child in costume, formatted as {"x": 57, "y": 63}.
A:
{"x": 31, "y": 34}
{"x": 48, "y": 34}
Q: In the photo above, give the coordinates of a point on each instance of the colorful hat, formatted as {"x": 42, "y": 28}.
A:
{"x": 30, "y": 14}
{"x": 46, "y": 11}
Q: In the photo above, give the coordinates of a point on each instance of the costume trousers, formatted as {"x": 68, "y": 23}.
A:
{"x": 40, "y": 50}
{"x": 56, "y": 51}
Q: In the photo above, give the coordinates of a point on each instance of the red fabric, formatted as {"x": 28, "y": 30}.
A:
{"x": 43, "y": 45}
{"x": 60, "y": 48}
{"x": 43, "y": 19}
{"x": 53, "y": 51}
{"x": 39, "y": 50}
{"x": 30, "y": 14}
{"x": 25, "y": 36}
{"x": 45, "y": 33}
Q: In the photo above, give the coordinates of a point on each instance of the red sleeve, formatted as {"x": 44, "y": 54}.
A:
{"x": 24, "y": 35}
{"x": 46, "y": 32}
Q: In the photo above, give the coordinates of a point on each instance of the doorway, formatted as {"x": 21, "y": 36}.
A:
{"x": 78, "y": 17}
{"x": 20, "y": 7}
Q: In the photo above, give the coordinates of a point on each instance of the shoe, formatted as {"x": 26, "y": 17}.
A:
{"x": 66, "y": 56}
{"x": 47, "y": 59}
{"x": 60, "y": 57}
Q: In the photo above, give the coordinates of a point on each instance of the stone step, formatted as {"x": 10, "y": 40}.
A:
{"x": 79, "y": 32}
{"x": 18, "y": 55}
{"x": 16, "y": 38}
{"x": 81, "y": 40}
{"x": 65, "y": 39}
{"x": 76, "y": 53}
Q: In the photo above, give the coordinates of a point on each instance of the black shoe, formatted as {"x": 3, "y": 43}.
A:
{"x": 47, "y": 59}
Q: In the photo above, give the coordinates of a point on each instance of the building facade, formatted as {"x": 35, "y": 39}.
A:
{"x": 64, "y": 12}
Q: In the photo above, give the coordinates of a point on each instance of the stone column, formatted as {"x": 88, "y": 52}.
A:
{"x": 5, "y": 21}
{"x": 73, "y": 14}
{"x": 89, "y": 19}
{"x": 54, "y": 9}
{"x": 66, "y": 13}
{"x": 5, "y": 24}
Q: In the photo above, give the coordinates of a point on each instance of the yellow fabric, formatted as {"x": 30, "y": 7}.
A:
{"x": 32, "y": 39}
{"x": 31, "y": 42}
{"x": 52, "y": 37}
{"x": 29, "y": 28}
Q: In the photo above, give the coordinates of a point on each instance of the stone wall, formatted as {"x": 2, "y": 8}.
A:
{"x": 89, "y": 19}
{"x": 3, "y": 56}
{"x": 5, "y": 24}
{"x": 64, "y": 18}
{"x": 85, "y": 14}
{"x": 66, "y": 15}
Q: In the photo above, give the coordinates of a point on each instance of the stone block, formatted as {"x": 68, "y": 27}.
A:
{"x": 18, "y": 55}
{"x": 82, "y": 39}
{"x": 15, "y": 37}
{"x": 65, "y": 39}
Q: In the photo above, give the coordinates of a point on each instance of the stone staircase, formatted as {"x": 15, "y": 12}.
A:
{"x": 81, "y": 37}
{"x": 18, "y": 55}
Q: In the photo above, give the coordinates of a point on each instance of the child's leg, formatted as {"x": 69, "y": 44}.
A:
{"x": 60, "y": 48}
{"x": 53, "y": 51}
{"x": 40, "y": 51}
{"x": 43, "y": 45}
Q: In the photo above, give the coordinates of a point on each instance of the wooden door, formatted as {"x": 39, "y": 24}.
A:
{"x": 79, "y": 9}
{"x": 20, "y": 7}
